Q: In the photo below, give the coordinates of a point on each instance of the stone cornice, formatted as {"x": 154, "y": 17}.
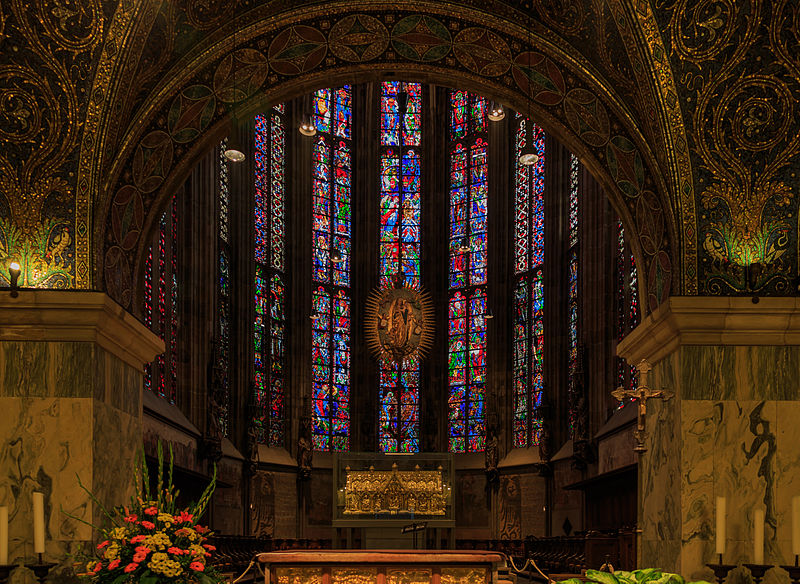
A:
{"x": 712, "y": 320}
{"x": 69, "y": 315}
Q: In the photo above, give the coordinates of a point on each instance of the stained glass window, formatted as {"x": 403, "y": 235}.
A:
{"x": 161, "y": 304}
{"x": 333, "y": 111}
{"x": 270, "y": 294}
{"x": 399, "y": 253}
{"x": 467, "y": 114}
{"x": 390, "y": 114}
{"x": 331, "y": 246}
{"x": 627, "y": 304}
{"x": 330, "y": 377}
{"x": 572, "y": 288}
{"x": 469, "y": 189}
{"x": 223, "y": 341}
{"x": 528, "y": 361}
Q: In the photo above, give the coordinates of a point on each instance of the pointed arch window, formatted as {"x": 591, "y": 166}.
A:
{"x": 529, "y": 254}
{"x": 222, "y": 389}
{"x": 331, "y": 224}
{"x": 469, "y": 187}
{"x": 627, "y": 304}
{"x": 399, "y": 250}
{"x": 269, "y": 334}
{"x": 573, "y": 293}
{"x": 161, "y": 304}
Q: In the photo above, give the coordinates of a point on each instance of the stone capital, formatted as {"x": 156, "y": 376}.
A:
{"x": 719, "y": 321}
{"x": 70, "y": 315}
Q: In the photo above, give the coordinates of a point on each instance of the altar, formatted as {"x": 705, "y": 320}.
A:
{"x": 381, "y": 567}
{"x": 393, "y": 502}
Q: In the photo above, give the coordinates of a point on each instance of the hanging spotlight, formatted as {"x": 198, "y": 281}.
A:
{"x": 336, "y": 256}
{"x": 307, "y": 126}
{"x": 528, "y": 156}
{"x": 463, "y": 245}
{"x": 314, "y": 315}
{"x": 234, "y": 152}
{"x": 496, "y": 112}
{"x": 489, "y": 314}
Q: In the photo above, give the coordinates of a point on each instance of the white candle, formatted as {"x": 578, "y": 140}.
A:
{"x": 721, "y": 515}
{"x": 3, "y": 536}
{"x": 796, "y": 525}
{"x": 758, "y": 536}
{"x": 38, "y": 523}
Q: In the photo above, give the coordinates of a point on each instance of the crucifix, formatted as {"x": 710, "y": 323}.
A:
{"x": 641, "y": 394}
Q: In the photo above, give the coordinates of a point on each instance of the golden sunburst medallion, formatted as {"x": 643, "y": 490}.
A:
{"x": 399, "y": 322}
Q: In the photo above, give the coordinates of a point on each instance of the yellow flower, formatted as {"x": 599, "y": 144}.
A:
{"x": 166, "y": 519}
{"x": 112, "y": 553}
{"x": 118, "y": 533}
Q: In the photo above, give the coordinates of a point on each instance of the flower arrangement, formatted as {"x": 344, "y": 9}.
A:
{"x": 151, "y": 541}
{"x": 644, "y": 576}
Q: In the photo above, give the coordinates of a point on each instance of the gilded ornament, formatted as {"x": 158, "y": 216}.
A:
{"x": 399, "y": 323}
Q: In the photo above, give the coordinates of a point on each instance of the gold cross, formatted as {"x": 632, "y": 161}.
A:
{"x": 641, "y": 394}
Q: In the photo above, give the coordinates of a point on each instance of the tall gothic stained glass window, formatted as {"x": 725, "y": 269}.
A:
{"x": 469, "y": 188}
{"x": 161, "y": 304}
{"x": 269, "y": 334}
{"x": 331, "y": 224}
{"x": 399, "y": 251}
{"x": 223, "y": 337}
{"x": 528, "y": 330}
{"x": 572, "y": 286}
{"x": 627, "y": 303}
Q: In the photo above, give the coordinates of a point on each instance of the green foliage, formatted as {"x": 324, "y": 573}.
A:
{"x": 644, "y": 576}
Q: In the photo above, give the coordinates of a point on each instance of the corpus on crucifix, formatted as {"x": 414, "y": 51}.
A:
{"x": 641, "y": 394}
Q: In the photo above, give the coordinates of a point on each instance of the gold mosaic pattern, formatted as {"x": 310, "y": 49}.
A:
{"x": 297, "y": 575}
{"x": 404, "y": 576}
{"x": 368, "y": 492}
{"x": 465, "y": 576}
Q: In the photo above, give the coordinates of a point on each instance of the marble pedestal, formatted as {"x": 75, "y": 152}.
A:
{"x": 70, "y": 403}
{"x": 732, "y": 430}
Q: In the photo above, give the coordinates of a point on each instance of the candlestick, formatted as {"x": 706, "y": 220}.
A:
{"x": 721, "y": 516}
{"x": 5, "y": 572}
{"x": 758, "y": 536}
{"x": 3, "y": 536}
{"x": 757, "y": 571}
{"x": 38, "y": 523}
{"x": 794, "y": 572}
{"x": 40, "y": 569}
{"x": 721, "y": 570}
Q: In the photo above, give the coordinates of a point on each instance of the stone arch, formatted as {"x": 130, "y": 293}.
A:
{"x": 279, "y": 58}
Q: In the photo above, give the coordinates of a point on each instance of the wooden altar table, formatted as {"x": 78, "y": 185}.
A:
{"x": 381, "y": 567}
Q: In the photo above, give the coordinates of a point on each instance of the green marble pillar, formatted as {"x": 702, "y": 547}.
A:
{"x": 70, "y": 403}
{"x": 732, "y": 430}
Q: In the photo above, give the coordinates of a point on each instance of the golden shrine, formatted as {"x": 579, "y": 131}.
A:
{"x": 419, "y": 492}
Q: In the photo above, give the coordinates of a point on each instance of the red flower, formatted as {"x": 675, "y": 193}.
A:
{"x": 148, "y": 524}
{"x": 197, "y": 566}
{"x": 114, "y": 564}
{"x": 184, "y": 517}
{"x": 142, "y": 549}
{"x": 175, "y": 550}
{"x": 201, "y": 529}
{"x": 101, "y": 545}
{"x": 97, "y": 567}
{"x": 131, "y": 519}
{"x": 151, "y": 511}
{"x": 131, "y": 567}
{"x": 137, "y": 538}
{"x": 209, "y": 547}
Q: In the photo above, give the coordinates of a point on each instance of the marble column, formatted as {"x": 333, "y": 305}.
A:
{"x": 71, "y": 408}
{"x": 731, "y": 430}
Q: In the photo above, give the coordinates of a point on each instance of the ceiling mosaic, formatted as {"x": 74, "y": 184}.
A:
{"x": 104, "y": 105}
